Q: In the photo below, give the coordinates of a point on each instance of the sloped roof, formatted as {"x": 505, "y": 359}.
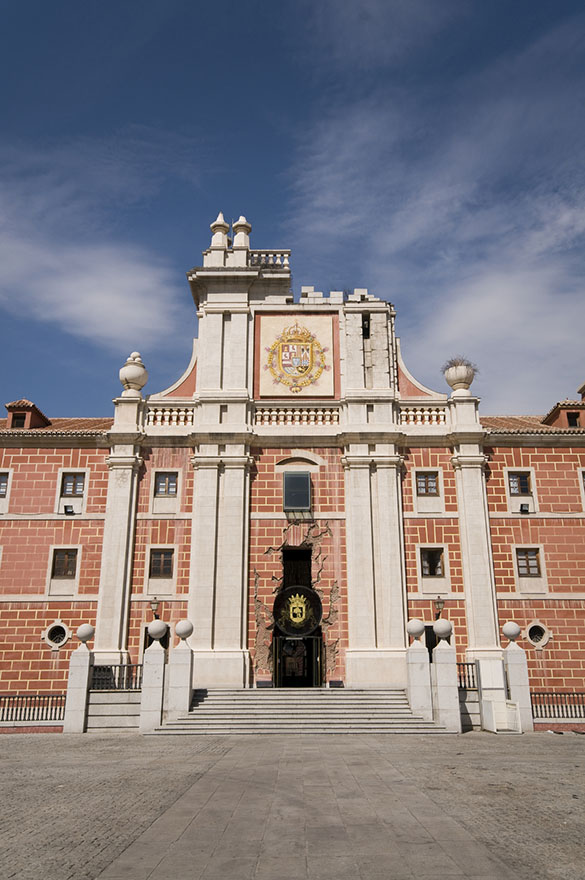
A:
{"x": 71, "y": 426}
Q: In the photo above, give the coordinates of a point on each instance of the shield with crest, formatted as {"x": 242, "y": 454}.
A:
{"x": 296, "y": 358}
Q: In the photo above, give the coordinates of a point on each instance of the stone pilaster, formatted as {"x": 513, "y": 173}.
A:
{"x": 111, "y": 638}
{"x": 376, "y": 588}
{"x": 218, "y": 586}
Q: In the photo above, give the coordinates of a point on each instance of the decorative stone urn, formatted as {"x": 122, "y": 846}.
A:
{"x": 459, "y": 374}
{"x": 133, "y": 376}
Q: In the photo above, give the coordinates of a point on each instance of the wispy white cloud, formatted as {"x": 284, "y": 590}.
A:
{"x": 466, "y": 207}
{"x": 65, "y": 256}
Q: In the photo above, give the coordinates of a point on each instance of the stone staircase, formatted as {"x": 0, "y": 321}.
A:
{"x": 113, "y": 710}
{"x": 299, "y": 710}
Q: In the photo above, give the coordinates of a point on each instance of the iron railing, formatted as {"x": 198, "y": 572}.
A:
{"x": 32, "y": 707}
{"x": 467, "y": 676}
{"x": 550, "y": 704}
{"x": 117, "y": 677}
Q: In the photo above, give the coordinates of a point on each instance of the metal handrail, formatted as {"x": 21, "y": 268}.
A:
{"x": 117, "y": 677}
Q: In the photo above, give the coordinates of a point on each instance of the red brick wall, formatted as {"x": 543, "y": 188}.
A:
{"x": 166, "y": 459}
{"x": 27, "y": 662}
{"x": 325, "y": 536}
{"x": 162, "y": 533}
{"x": 35, "y": 477}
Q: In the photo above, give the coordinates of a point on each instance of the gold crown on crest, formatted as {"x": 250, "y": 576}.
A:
{"x": 296, "y": 333}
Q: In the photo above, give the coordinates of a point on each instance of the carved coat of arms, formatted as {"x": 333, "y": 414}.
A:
{"x": 296, "y": 358}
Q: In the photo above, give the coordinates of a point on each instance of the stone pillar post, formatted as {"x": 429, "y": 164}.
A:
{"x": 518, "y": 681}
{"x": 180, "y": 670}
{"x": 153, "y": 679}
{"x": 78, "y": 683}
{"x": 418, "y": 670}
{"x": 444, "y": 677}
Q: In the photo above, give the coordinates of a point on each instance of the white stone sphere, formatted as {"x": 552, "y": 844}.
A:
{"x": 85, "y": 632}
{"x": 415, "y": 628}
{"x": 443, "y": 628}
{"x": 157, "y": 629}
{"x": 183, "y": 629}
{"x": 511, "y": 630}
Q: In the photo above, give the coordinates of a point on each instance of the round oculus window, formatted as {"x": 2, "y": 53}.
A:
{"x": 56, "y": 635}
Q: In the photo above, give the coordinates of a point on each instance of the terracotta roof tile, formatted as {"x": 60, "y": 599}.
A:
{"x": 73, "y": 425}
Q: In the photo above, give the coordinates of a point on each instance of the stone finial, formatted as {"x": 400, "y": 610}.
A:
{"x": 443, "y": 628}
{"x": 511, "y": 630}
{"x": 157, "y": 629}
{"x": 242, "y": 230}
{"x": 415, "y": 628}
{"x": 133, "y": 376}
{"x": 220, "y": 231}
{"x": 85, "y": 632}
{"x": 183, "y": 629}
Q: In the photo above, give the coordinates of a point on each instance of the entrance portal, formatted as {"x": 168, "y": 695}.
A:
{"x": 298, "y": 662}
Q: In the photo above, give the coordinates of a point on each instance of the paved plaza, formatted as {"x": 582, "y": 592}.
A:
{"x": 285, "y": 808}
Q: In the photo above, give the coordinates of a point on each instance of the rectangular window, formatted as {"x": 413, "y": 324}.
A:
{"x": 64, "y": 563}
{"x": 528, "y": 562}
{"x": 165, "y": 485}
{"x": 519, "y": 483}
{"x": 431, "y": 562}
{"x": 18, "y": 420}
{"x": 3, "y": 485}
{"x": 72, "y": 485}
{"x": 573, "y": 419}
{"x": 161, "y": 564}
{"x": 427, "y": 483}
{"x": 297, "y": 491}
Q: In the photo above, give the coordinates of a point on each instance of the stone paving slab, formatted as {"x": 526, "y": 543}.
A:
{"x": 472, "y": 807}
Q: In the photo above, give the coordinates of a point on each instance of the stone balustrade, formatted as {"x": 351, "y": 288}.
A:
{"x": 270, "y": 259}
{"x": 302, "y": 416}
{"x": 169, "y": 416}
{"x": 422, "y": 415}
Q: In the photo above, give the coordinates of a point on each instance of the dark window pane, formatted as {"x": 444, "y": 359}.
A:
{"x": 519, "y": 484}
{"x": 3, "y": 485}
{"x": 64, "y": 563}
{"x": 528, "y": 562}
{"x": 18, "y": 420}
{"x": 161, "y": 564}
{"x": 432, "y": 562}
{"x": 297, "y": 491}
{"x": 73, "y": 485}
{"x": 165, "y": 484}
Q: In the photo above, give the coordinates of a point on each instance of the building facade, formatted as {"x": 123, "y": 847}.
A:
{"x": 297, "y": 495}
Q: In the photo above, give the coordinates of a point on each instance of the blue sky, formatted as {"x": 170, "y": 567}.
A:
{"x": 432, "y": 152}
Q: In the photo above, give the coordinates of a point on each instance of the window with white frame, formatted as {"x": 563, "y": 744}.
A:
{"x": 165, "y": 492}
{"x": 433, "y": 570}
{"x": 521, "y": 490}
{"x": 4, "y": 490}
{"x": 161, "y": 571}
{"x": 71, "y": 494}
{"x": 72, "y": 485}
{"x": 530, "y": 570}
{"x": 63, "y": 571}
{"x": 427, "y": 488}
